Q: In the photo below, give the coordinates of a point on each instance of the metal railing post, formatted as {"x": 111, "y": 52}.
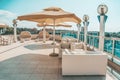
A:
{"x": 93, "y": 42}
{"x": 113, "y": 47}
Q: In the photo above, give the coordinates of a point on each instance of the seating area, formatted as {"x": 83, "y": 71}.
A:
{"x": 69, "y": 39}
{"x": 49, "y": 40}
{"x": 71, "y": 43}
{"x": 40, "y": 35}
{"x": 5, "y": 40}
{"x": 83, "y": 59}
{"x": 25, "y": 35}
{"x": 58, "y": 38}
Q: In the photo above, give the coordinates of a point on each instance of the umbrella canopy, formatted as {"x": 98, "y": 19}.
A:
{"x": 51, "y": 15}
{"x": 3, "y": 25}
{"x": 48, "y": 14}
{"x": 51, "y": 25}
{"x": 52, "y": 9}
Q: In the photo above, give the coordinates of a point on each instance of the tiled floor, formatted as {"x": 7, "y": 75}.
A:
{"x": 36, "y": 67}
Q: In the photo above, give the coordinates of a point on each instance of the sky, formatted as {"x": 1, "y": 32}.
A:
{"x": 10, "y": 9}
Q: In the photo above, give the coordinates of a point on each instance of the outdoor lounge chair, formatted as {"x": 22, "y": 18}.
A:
{"x": 5, "y": 40}
{"x": 25, "y": 36}
{"x": 57, "y": 38}
{"x": 40, "y": 35}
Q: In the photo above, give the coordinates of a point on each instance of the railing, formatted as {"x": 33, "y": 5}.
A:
{"x": 72, "y": 34}
{"x": 93, "y": 40}
{"x": 111, "y": 47}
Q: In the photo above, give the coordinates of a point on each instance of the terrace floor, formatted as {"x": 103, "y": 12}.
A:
{"x": 20, "y": 63}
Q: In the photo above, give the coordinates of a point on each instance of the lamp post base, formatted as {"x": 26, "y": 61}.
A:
{"x": 53, "y": 54}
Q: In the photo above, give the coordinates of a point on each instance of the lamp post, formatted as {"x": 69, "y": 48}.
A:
{"x": 102, "y": 10}
{"x": 85, "y": 23}
{"x": 78, "y": 26}
{"x": 15, "y": 31}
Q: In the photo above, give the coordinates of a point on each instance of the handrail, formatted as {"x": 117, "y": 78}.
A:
{"x": 112, "y": 61}
{"x": 92, "y": 43}
{"x": 113, "y": 39}
{"x": 114, "y": 66}
{"x": 92, "y": 36}
{"x": 106, "y": 38}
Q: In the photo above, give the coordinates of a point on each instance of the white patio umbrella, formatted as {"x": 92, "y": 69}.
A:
{"x": 51, "y": 15}
{"x": 51, "y": 25}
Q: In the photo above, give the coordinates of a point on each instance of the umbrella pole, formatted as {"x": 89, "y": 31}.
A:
{"x": 54, "y": 39}
{"x": 53, "y": 54}
{"x": 44, "y": 35}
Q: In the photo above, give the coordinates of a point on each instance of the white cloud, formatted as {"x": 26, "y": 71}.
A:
{"x": 7, "y": 14}
{"x": 26, "y": 24}
{"x": 7, "y": 17}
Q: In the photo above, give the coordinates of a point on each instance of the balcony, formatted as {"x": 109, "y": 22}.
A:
{"x": 20, "y": 63}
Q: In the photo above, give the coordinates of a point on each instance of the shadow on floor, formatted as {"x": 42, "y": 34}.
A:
{"x": 36, "y": 67}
